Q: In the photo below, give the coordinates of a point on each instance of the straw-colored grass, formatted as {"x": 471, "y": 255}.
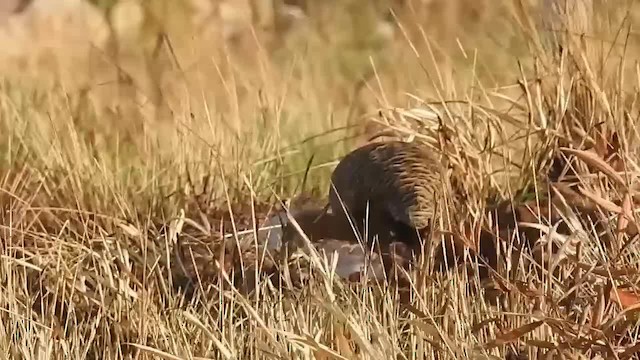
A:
{"x": 170, "y": 115}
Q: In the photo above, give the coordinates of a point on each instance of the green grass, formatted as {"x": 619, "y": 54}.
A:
{"x": 99, "y": 150}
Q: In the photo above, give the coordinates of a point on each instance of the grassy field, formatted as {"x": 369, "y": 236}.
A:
{"x": 170, "y": 113}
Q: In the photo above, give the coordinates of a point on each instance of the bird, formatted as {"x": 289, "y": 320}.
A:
{"x": 333, "y": 235}
{"x": 395, "y": 184}
{"x": 202, "y": 255}
{"x": 317, "y": 224}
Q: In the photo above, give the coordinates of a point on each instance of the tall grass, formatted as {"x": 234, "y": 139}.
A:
{"x": 108, "y": 136}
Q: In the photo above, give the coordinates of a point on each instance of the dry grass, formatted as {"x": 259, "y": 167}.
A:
{"x": 108, "y": 138}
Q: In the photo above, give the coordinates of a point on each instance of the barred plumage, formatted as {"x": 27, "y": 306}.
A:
{"x": 400, "y": 181}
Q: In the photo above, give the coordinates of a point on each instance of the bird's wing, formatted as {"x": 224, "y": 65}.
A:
{"x": 355, "y": 261}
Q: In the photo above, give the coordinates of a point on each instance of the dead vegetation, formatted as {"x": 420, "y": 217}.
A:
{"x": 136, "y": 181}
